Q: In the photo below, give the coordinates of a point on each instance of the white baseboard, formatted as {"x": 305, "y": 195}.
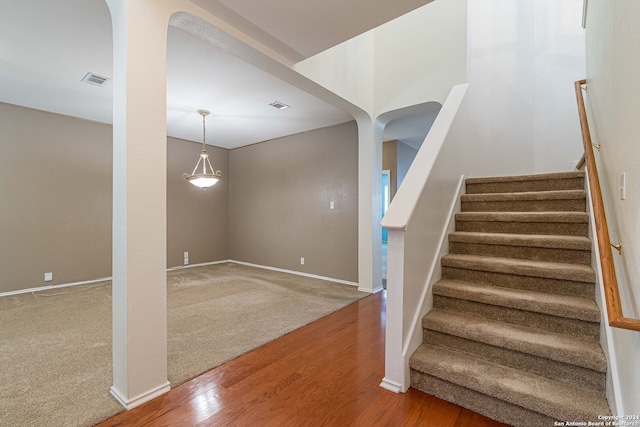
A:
{"x": 298, "y": 273}
{"x": 180, "y": 267}
{"x": 102, "y": 279}
{"x": 371, "y": 291}
{"x": 48, "y": 288}
{"x": 141, "y": 398}
{"x": 390, "y": 385}
{"x": 202, "y": 264}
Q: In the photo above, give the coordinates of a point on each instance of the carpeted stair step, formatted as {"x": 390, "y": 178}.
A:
{"x": 573, "y": 316}
{"x": 500, "y": 392}
{"x": 555, "y": 223}
{"x": 524, "y": 183}
{"x": 538, "y": 276}
{"x": 586, "y": 379}
{"x": 481, "y": 403}
{"x": 514, "y": 329}
{"x": 548, "y": 345}
{"x": 535, "y": 201}
{"x": 568, "y": 249}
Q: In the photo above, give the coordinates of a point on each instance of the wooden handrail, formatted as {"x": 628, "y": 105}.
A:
{"x": 611, "y": 292}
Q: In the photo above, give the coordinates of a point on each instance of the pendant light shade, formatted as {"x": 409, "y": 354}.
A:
{"x": 206, "y": 177}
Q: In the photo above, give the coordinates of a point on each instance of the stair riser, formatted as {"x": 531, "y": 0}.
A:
{"x": 528, "y": 283}
{"x": 571, "y": 205}
{"x": 553, "y": 228}
{"x": 522, "y": 252}
{"x": 562, "y": 325}
{"x": 522, "y": 359}
{"x": 524, "y": 186}
{"x": 481, "y": 403}
{"x": 586, "y": 379}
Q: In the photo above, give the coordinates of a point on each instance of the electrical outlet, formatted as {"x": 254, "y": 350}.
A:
{"x": 48, "y": 277}
{"x": 301, "y": 261}
{"x": 332, "y": 205}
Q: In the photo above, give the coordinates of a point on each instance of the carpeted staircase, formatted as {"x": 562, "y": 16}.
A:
{"x": 514, "y": 331}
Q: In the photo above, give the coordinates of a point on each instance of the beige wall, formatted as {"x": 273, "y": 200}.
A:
{"x": 279, "y": 205}
{"x": 406, "y": 155}
{"x": 56, "y": 189}
{"x": 55, "y": 184}
{"x": 390, "y": 163}
{"x": 397, "y": 158}
{"x": 56, "y": 200}
{"x": 197, "y": 219}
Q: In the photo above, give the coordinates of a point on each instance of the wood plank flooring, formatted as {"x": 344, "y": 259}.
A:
{"x": 324, "y": 374}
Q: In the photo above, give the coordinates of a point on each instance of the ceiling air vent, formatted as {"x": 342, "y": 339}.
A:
{"x": 279, "y": 105}
{"x": 94, "y": 79}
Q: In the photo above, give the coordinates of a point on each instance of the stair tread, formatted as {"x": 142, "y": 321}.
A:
{"x": 552, "y": 304}
{"x": 523, "y": 267}
{"x": 516, "y": 178}
{"x": 520, "y": 227}
{"x": 525, "y": 195}
{"x": 529, "y": 240}
{"x": 568, "y": 217}
{"x": 550, "y": 345}
{"x": 549, "y": 397}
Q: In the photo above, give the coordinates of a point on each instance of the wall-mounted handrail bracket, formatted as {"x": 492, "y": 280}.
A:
{"x": 617, "y": 247}
{"x": 596, "y": 146}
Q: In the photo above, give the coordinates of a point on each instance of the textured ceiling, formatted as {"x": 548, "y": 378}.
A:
{"x": 300, "y": 29}
{"x": 47, "y": 47}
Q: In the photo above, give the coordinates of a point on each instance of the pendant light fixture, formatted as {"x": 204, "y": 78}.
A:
{"x": 207, "y": 178}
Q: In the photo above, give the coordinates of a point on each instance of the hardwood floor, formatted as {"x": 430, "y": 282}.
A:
{"x": 324, "y": 374}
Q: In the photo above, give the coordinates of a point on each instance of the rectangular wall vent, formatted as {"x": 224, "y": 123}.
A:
{"x": 94, "y": 79}
{"x": 279, "y": 105}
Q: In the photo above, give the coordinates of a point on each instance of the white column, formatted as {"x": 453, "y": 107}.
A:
{"x": 369, "y": 206}
{"x": 139, "y": 201}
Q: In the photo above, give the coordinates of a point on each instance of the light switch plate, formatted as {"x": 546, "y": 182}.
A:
{"x": 623, "y": 186}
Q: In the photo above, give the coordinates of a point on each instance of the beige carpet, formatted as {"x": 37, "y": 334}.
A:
{"x": 514, "y": 332}
{"x": 55, "y": 351}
